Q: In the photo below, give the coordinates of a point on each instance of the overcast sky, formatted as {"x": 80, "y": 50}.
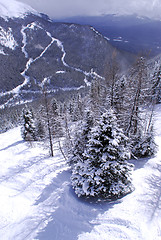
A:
{"x": 66, "y": 8}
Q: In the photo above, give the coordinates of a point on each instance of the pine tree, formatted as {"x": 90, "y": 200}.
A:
{"x": 81, "y": 140}
{"x": 28, "y": 129}
{"x": 104, "y": 172}
{"x": 40, "y": 130}
{"x": 142, "y": 143}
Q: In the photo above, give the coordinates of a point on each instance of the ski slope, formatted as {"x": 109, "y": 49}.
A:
{"x": 37, "y": 201}
{"x": 25, "y": 172}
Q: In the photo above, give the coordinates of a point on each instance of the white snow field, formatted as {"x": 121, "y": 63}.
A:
{"x": 37, "y": 201}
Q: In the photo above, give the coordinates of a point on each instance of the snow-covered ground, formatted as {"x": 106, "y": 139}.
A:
{"x": 25, "y": 175}
{"x": 37, "y": 201}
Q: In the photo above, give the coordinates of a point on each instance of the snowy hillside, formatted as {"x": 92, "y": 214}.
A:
{"x": 33, "y": 48}
{"x": 37, "y": 201}
{"x": 14, "y": 9}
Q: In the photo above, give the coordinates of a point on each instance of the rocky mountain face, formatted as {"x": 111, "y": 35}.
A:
{"x": 35, "y": 51}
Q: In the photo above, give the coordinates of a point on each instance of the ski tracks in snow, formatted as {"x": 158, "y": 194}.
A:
{"x": 24, "y": 174}
{"x": 38, "y": 203}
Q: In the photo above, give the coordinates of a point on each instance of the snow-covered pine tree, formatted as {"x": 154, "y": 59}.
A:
{"x": 144, "y": 146}
{"x": 81, "y": 139}
{"x": 104, "y": 172}
{"x": 142, "y": 143}
{"x": 40, "y": 130}
{"x": 28, "y": 129}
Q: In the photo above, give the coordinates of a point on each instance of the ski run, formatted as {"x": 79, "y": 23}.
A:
{"x": 33, "y": 27}
{"x": 37, "y": 201}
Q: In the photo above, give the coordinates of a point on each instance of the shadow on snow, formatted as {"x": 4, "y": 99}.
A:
{"x": 73, "y": 215}
{"x": 12, "y": 145}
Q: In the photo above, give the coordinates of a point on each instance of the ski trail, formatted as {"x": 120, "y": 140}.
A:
{"x": 15, "y": 91}
{"x": 24, "y": 40}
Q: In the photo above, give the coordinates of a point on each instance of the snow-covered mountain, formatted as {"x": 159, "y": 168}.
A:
{"x": 34, "y": 50}
{"x": 14, "y": 9}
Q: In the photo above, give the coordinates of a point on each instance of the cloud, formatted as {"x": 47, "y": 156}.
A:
{"x": 65, "y": 8}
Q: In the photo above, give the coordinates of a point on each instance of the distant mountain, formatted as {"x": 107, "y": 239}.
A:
{"x": 128, "y": 32}
{"x": 35, "y": 51}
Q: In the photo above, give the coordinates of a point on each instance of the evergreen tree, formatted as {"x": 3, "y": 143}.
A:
{"x": 28, "y": 129}
{"x": 144, "y": 146}
{"x": 40, "y": 130}
{"x": 81, "y": 139}
{"x": 104, "y": 171}
{"x": 142, "y": 143}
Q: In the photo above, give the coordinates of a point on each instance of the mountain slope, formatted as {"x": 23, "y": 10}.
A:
{"x": 127, "y": 32}
{"x": 34, "y": 50}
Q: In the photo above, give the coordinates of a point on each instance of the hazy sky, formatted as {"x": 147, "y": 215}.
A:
{"x": 64, "y": 8}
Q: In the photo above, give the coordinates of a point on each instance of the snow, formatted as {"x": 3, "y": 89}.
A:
{"x": 136, "y": 216}
{"x": 2, "y": 51}
{"x": 14, "y": 9}
{"x": 37, "y": 201}
{"x": 7, "y": 39}
{"x": 94, "y": 30}
{"x": 24, "y": 40}
{"x": 108, "y": 39}
{"x": 25, "y": 172}
{"x": 60, "y": 72}
{"x": 119, "y": 39}
{"x": 88, "y": 84}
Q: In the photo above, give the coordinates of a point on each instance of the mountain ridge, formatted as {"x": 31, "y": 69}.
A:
{"x": 33, "y": 49}
{"x": 131, "y": 33}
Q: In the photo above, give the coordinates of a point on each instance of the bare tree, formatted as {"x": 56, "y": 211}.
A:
{"x": 48, "y": 120}
{"x": 112, "y": 72}
{"x": 136, "y": 93}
